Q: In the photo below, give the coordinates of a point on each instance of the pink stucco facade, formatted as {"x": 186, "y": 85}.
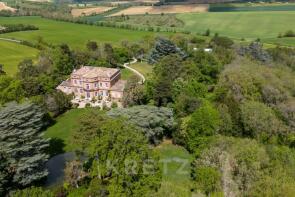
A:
{"x": 94, "y": 82}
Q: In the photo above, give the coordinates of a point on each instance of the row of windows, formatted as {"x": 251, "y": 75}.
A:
{"x": 95, "y": 84}
{"x": 100, "y": 93}
{"x": 97, "y": 93}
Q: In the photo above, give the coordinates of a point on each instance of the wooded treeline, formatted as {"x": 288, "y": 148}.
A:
{"x": 232, "y": 108}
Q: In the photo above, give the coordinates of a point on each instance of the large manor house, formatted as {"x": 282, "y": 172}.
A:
{"x": 94, "y": 82}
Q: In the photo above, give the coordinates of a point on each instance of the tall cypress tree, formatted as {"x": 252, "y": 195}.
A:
{"x": 22, "y": 147}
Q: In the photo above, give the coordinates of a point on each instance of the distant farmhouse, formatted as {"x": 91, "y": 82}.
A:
{"x": 94, "y": 83}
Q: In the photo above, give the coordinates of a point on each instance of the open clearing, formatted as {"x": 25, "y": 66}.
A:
{"x": 5, "y": 7}
{"x": 12, "y": 53}
{"x": 142, "y": 67}
{"x": 126, "y": 73}
{"x": 166, "y": 9}
{"x": 65, "y": 126}
{"x": 248, "y": 25}
{"x": 89, "y": 11}
{"x": 76, "y": 35}
{"x": 175, "y": 181}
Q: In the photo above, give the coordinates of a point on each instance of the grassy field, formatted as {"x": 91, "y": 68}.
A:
{"x": 65, "y": 126}
{"x": 12, "y": 53}
{"x": 126, "y": 74}
{"x": 242, "y": 7}
{"x": 248, "y": 25}
{"x": 76, "y": 35}
{"x": 175, "y": 183}
{"x": 144, "y": 68}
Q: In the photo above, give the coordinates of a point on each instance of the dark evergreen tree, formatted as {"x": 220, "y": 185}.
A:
{"x": 162, "y": 48}
{"x": 4, "y": 175}
{"x": 256, "y": 51}
{"x": 155, "y": 122}
{"x": 22, "y": 145}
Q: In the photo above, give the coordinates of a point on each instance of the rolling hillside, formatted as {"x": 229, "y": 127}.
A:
{"x": 247, "y": 25}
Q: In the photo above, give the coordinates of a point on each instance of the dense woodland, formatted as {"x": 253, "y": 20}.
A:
{"x": 232, "y": 109}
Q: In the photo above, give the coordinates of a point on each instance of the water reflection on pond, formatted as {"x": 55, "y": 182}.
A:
{"x": 56, "y": 166}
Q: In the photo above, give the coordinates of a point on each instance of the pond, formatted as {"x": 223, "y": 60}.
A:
{"x": 56, "y": 166}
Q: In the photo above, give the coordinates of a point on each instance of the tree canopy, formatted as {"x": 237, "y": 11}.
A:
{"x": 155, "y": 122}
{"x": 162, "y": 48}
{"x": 22, "y": 145}
{"x": 117, "y": 154}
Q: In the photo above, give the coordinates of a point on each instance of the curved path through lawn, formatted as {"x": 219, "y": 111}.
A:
{"x": 10, "y": 40}
{"x": 126, "y": 65}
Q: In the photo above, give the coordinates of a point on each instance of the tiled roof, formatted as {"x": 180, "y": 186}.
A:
{"x": 92, "y": 72}
{"x": 66, "y": 83}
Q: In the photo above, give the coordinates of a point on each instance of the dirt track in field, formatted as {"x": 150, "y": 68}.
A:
{"x": 88, "y": 11}
{"x": 5, "y": 7}
{"x": 167, "y": 9}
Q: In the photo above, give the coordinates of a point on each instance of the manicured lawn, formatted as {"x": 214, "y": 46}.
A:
{"x": 76, "y": 35}
{"x": 12, "y": 53}
{"x": 126, "y": 74}
{"x": 144, "y": 68}
{"x": 65, "y": 126}
{"x": 174, "y": 182}
{"x": 249, "y": 25}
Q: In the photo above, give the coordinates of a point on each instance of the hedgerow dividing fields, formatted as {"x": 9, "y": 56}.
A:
{"x": 76, "y": 35}
{"x": 12, "y": 53}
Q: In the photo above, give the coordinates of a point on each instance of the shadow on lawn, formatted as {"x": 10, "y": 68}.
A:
{"x": 56, "y": 146}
